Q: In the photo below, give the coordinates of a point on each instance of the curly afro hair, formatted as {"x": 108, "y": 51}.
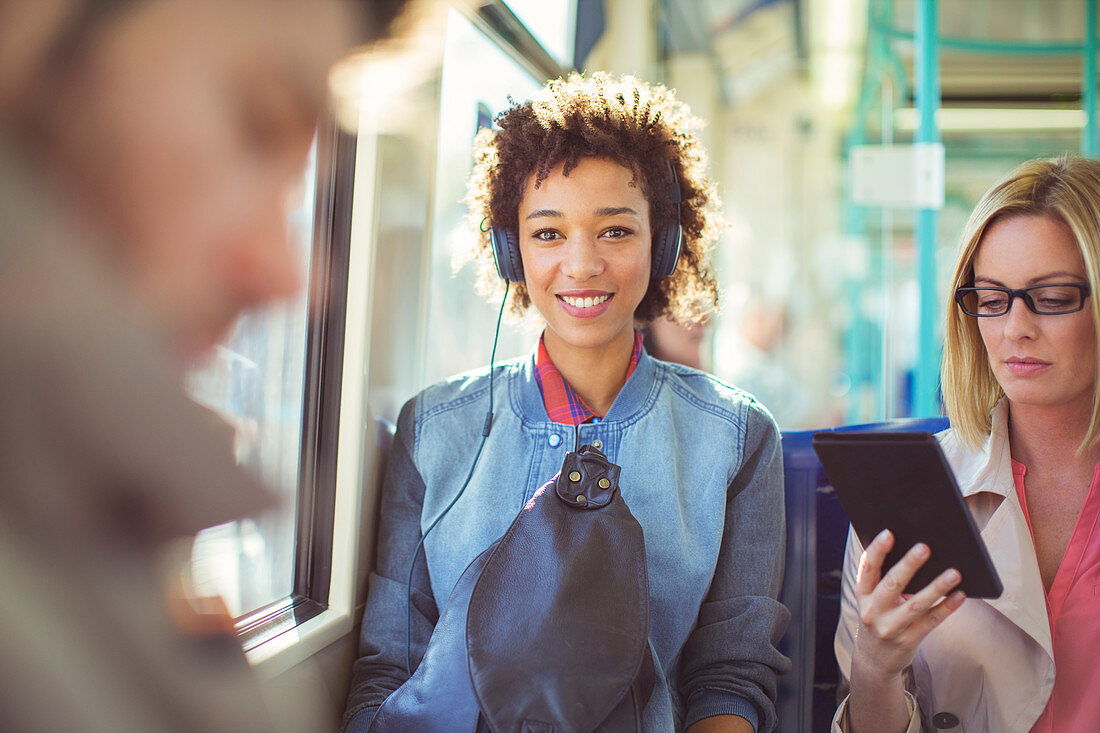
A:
{"x": 642, "y": 127}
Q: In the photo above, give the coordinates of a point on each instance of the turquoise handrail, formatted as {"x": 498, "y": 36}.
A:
{"x": 1088, "y": 82}
{"x": 924, "y": 399}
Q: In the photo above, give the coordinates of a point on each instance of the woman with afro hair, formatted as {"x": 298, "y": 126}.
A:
{"x": 593, "y": 207}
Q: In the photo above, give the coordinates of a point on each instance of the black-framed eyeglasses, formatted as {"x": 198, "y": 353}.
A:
{"x": 1049, "y": 299}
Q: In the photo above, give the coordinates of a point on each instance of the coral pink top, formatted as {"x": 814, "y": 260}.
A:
{"x": 1073, "y": 607}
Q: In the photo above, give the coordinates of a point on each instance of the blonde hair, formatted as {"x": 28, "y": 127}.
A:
{"x": 1066, "y": 189}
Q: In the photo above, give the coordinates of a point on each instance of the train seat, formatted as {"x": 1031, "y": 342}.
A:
{"x": 817, "y": 530}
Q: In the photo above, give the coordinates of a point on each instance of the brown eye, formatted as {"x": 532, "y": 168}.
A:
{"x": 260, "y": 130}
{"x": 992, "y": 301}
{"x": 270, "y": 119}
{"x": 617, "y": 233}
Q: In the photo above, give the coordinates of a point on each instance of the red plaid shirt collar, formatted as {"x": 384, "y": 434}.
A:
{"x": 562, "y": 403}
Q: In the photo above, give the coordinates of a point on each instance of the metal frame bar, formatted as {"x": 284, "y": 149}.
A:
{"x": 316, "y": 496}
{"x": 882, "y": 59}
{"x": 924, "y": 398}
{"x": 496, "y": 20}
{"x": 324, "y": 371}
{"x": 861, "y": 340}
{"x": 1088, "y": 81}
{"x": 981, "y": 45}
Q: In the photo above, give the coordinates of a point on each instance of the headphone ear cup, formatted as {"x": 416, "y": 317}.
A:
{"x": 506, "y": 254}
{"x": 666, "y": 250}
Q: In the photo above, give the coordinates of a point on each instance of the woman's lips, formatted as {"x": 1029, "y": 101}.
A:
{"x": 585, "y": 305}
{"x": 1024, "y": 367}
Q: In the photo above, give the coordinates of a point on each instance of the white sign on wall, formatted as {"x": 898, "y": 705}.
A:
{"x": 897, "y": 176}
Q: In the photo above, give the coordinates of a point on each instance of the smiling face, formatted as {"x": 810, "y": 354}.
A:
{"x": 1039, "y": 360}
{"x": 585, "y": 241}
{"x": 194, "y": 123}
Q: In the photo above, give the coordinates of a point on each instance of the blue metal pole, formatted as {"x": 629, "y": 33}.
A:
{"x": 925, "y": 400}
{"x": 863, "y": 345}
{"x": 1088, "y": 82}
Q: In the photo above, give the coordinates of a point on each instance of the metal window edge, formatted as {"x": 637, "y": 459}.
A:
{"x": 281, "y": 652}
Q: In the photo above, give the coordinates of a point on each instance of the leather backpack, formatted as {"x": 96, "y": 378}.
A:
{"x": 547, "y": 630}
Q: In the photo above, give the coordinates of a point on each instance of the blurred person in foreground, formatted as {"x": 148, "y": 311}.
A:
{"x": 146, "y": 149}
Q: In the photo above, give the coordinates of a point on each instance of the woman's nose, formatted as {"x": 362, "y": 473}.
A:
{"x": 582, "y": 259}
{"x": 1019, "y": 321}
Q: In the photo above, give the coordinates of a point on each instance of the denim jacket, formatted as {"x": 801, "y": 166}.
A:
{"x": 702, "y": 473}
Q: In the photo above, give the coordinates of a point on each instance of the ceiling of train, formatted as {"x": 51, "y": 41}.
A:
{"x": 1020, "y": 76}
{"x": 750, "y": 43}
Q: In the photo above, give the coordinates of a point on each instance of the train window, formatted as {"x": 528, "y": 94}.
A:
{"x": 478, "y": 78}
{"x": 255, "y": 382}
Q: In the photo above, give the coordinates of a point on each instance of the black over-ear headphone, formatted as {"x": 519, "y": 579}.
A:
{"x": 666, "y": 244}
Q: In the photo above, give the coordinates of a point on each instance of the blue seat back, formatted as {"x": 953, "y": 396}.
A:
{"x": 817, "y": 531}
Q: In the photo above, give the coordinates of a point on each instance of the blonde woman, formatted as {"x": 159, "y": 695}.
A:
{"x": 1019, "y": 381}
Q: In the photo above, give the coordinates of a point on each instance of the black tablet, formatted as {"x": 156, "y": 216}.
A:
{"x": 901, "y": 482}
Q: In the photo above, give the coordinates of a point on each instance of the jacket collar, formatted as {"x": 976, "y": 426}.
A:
{"x": 638, "y": 392}
{"x": 988, "y": 469}
{"x": 985, "y": 478}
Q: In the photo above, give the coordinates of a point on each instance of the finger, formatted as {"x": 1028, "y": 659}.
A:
{"x": 939, "y": 612}
{"x": 916, "y": 606}
{"x": 888, "y": 592}
{"x": 870, "y": 562}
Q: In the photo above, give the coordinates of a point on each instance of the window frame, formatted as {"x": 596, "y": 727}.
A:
{"x": 502, "y": 26}
{"x": 327, "y": 297}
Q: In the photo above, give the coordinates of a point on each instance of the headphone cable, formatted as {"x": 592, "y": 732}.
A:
{"x": 484, "y": 436}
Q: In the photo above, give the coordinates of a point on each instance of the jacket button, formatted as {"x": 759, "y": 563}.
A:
{"x": 604, "y": 483}
{"x": 574, "y": 476}
{"x": 945, "y": 721}
{"x": 554, "y": 440}
{"x": 597, "y": 444}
